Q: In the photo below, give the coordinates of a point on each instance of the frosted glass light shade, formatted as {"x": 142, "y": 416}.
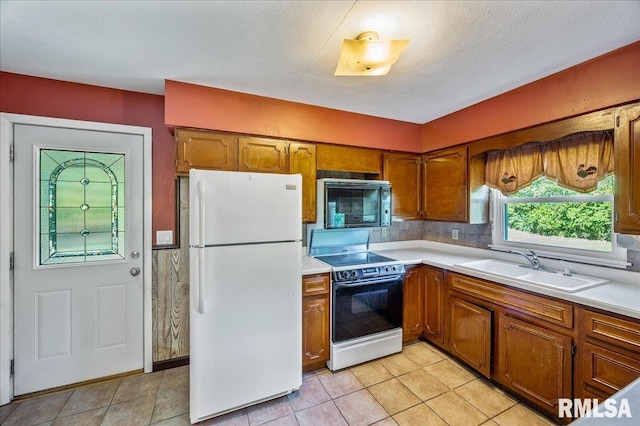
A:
{"x": 369, "y": 56}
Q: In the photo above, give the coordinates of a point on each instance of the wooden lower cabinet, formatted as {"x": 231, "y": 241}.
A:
{"x": 423, "y": 304}
{"x": 470, "y": 334}
{"x": 315, "y": 321}
{"x": 610, "y": 352}
{"x": 534, "y": 362}
{"x": 412, "y": 311}
{"x": 606, "y": 371}
{"x": 434, "y": 288}
{"x": 523, "y": 341}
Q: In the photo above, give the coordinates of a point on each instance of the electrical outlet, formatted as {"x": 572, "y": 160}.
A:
{"x": 384, "y": 232}
{"x": 164, "y": 237}
{"x": 454, "y": 234}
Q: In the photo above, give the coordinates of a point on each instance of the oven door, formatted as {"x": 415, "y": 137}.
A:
{"x": 361, "y": 308}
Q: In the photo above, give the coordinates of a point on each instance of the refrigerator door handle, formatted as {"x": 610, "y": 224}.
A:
{"x": 200, "y": 286}
{"x": 201, "y": 243}
{"x": 201, "y": 214}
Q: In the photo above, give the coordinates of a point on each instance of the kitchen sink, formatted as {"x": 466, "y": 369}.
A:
{"x": 495, "y": 267}
{"x": 543, "y": 278}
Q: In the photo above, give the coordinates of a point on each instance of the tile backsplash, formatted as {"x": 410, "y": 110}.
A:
{"x": 477, "y": 236}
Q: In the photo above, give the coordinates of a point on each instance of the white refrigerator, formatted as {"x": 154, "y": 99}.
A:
{"x": 245, "y": 289}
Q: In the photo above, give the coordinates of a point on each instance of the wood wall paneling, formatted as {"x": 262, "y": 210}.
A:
{"x": 171, "y": 291}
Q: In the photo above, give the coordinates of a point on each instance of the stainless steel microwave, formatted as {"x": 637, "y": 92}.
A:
{"x": 352, "y": 203}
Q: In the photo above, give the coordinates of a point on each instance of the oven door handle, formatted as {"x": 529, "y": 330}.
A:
{"x": 388, "y": 278}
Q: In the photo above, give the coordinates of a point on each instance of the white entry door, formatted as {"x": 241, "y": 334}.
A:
{"x": 78, "y": 255}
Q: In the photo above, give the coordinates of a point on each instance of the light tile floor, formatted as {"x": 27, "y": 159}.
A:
{"x": 419, "y": 386}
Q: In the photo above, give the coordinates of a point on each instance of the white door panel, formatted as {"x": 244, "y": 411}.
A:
{"x": 78, "y": 214}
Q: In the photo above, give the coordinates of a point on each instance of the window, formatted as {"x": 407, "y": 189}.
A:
{"x": 556, "y": 221}
{"x": 81, "y": 207}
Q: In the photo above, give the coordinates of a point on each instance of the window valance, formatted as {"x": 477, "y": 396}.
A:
{"x": 577, "y": 161}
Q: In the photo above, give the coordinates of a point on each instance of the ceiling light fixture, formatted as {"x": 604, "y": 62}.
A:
{"x": 367, "y": 55}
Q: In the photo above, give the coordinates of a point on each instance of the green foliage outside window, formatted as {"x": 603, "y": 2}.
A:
{"x": 583, "y": 220}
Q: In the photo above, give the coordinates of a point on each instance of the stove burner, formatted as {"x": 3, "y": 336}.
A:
{"x": 351, "y": 259}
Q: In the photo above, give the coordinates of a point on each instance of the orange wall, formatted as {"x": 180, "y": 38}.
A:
{"x": 189, "y": 105}
{"x": 608, "y": 80}
{"x": 21, "y": 94}
{"x": 599, "y": 83}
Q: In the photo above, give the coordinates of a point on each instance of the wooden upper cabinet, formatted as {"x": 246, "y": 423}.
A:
{"x": 205, "y": 150}
{"x": 627, "y": 166}
{"x": 349, "y": 159}
{"x": 302, "y": 159}
{"x": 445, "y": 191}
{"x": 223, "y": 151}
{"x": 403, "y": 171}
{"x": 262, "y": 155}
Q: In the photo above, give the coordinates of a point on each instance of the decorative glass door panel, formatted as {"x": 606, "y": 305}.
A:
{"x": 82, "y": 202}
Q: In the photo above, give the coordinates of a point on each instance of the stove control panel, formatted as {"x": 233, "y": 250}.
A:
{"x": 367, "y": 272}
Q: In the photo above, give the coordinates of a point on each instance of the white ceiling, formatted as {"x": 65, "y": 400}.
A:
{"x": 461, "y": 52}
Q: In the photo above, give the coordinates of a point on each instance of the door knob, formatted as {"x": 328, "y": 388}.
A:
{"x": 134, "y": 271}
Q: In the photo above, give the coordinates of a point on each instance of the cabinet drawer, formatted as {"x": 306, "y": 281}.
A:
{"x": 608, "y": 371}
{"x": 612, "y": 330}
{"x": 553, "y": 311}
{"x": 315, "y": 284}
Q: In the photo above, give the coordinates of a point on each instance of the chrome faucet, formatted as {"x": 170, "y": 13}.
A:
{"x": 533, "y": 260}
{"x": 567, "y": 269}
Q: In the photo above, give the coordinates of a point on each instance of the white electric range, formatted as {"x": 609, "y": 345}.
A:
{"x": 366, "y": 296}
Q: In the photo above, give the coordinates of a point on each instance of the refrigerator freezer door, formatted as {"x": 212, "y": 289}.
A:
{"x": 246, "y": 342}
{"x": 237, "y": 208}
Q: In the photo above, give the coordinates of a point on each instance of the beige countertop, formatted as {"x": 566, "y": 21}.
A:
{"x": 311, "y": 266}
{"x": 620, "y": 295}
